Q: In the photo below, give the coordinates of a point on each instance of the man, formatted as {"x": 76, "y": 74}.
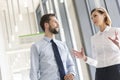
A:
{"x": 44, "y": 64}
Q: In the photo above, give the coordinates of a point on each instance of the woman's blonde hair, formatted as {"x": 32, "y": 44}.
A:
{"x": 102, "y": 10}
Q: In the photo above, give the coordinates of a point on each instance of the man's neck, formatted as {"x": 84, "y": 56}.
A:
{"x": 49, "y": 35}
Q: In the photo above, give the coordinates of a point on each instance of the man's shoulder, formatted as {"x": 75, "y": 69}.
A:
{"x": 59, "y": 42}
{"x": 39, "y": 43}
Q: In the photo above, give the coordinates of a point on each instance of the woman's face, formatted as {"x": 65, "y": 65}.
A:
{"x": 97, "y": 18}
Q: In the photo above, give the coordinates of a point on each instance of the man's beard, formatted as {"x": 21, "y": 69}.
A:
{"x": 53, "y": 30}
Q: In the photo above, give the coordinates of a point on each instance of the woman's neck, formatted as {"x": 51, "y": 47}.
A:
{"x": 102, "y": 27}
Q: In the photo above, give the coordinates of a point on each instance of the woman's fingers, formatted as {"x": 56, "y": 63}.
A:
{"x": 110, "y": 38}
{"x": 78, "y": 54}
{"x": 116, "y": 37}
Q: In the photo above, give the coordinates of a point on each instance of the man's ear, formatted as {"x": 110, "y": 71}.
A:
{"x": 46, "y": 25}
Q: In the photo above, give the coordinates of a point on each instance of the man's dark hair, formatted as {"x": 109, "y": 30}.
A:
{"x": 45, "y": 19}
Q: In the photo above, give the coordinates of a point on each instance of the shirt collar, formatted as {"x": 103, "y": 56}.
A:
{"x": 106, "y": 29}
{"x": 48, "y": 39}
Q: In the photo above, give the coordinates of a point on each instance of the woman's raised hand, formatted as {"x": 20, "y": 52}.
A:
{"x": 80, "y": 54}
{"x": 115, "y": 40}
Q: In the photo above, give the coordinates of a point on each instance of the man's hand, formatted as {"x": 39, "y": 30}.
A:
{"x": 69, "y": 77}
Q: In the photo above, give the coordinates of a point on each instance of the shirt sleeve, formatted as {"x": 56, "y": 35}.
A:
{"x": 91, "y": 61}
{"x": 70, "y": 63}
{"x": 34, "y": 60}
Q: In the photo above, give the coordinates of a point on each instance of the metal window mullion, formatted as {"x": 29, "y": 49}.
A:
{"x": 62, "y": 34}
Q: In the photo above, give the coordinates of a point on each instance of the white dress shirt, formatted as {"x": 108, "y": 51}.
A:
{"x": 104, "y": 51}
{"x": 43, "y": 63}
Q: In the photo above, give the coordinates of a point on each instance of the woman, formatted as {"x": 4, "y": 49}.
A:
{"x": 105, "y": 47}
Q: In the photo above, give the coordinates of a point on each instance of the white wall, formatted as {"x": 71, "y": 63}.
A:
{"x": 14, "y": 60}
{"x": 3, "y": 57}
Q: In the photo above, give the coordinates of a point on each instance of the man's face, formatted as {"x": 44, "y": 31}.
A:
{"x": 53, "y": 25}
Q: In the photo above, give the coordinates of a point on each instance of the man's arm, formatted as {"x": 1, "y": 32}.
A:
{"x": 34, "y": 60}
{"x": 70, "y": 66}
